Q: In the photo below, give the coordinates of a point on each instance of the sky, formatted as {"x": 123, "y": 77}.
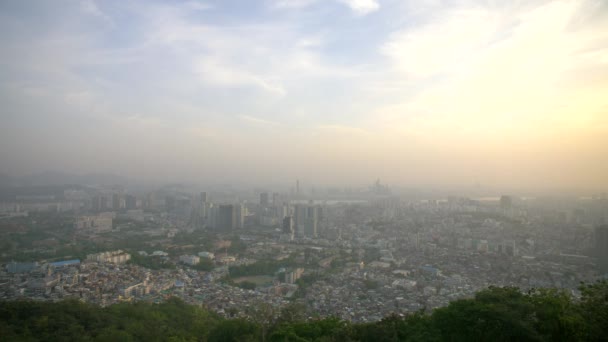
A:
{"x": 441, "y": 93}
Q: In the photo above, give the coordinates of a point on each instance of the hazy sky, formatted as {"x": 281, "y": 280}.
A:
{"x": 329, "y": 91}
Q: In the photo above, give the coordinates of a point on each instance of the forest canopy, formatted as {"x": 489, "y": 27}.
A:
{"x": 497, "y": 314}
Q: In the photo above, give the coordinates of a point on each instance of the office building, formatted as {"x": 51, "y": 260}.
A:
{"x": 226, "y": 218}
{"x": 306, "y": 220}
{"x": 130, "y": 202}
{"x": 264, "y": 199}
{"x": 288, "y": 231}
{"x": 240, "y": 211}
{"x": 116, "y": 202}
{"x": 100, "y": 203}
{"x": 97, "y": 223}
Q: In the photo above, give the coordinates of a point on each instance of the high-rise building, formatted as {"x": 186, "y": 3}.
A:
{"x": 601, "y": 247}
{"x": 130, "y": 202}
{"x": 287, "y": 232}
{"x": 116, "y": 202}
{"x": 100, "y": 203}
{"x": 306, "y": 220}
{"x": 240, "y": 211}
{"x": 275, "y": 199}
{"x": 226, "y": 220}
{"x": 203, "y": 197}
{"x": 288, "y": 225}
{"x": 264, "y": 199}
{"x": 312, "y": 221}
{"x": 299, "y": 215}
{"x": 170, "y": 203}
{"x": 211, "y": 215}
{"x": 506, "y": 202}
{"x": 150, "y": 201}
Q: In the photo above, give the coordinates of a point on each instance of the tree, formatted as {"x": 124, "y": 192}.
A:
{"x": 247, "y": 285}
{"x": 594, "y": 309}
{"x": 291, "y": 313}
{"x": 495, "y": 314}
{"x": 234, "y": 330}
{"x": 556, "y": 316}
{"x": 264, "y": 315}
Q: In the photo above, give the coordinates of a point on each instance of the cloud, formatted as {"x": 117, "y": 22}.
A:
{"x": 503, "y": 71}
{"x": 259, "y": 121}
{"x": 342, "y": 130}
{"x": 277, "y": 53}
{"x": 82, "y": 99}
{"x": 217, "y": 73}
{"x": 197, "y": 6}
{"x": 444, "y": 87}
{"x": 292, "y": 3}
{"x": 90, "y": 7}
{"x": 362, "y": 7}
{"x": 443, "y": 44}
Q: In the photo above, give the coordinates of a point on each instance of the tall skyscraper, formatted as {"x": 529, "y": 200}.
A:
{"x": 306, "y": 220}
{"x": 226, "y": 220}
{"x": 100, "y": 203}
{"x": 264, "y": 199}
{"x": 203, "y": 197}
{"x": 275, "y": 199}
{"x": 312, "y": 221}
{"x": 130, "y": 202}
{"x": 116, "y": 202}
{"x": 288, "y": 228}
{"x": 150, "y": 201}
{"x": 288, "y": 224}
{"x": 601, "y": 247}
{"x": 240, "y": 211}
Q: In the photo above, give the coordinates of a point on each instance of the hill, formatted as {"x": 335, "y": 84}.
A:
{"x": 495, "y": 314}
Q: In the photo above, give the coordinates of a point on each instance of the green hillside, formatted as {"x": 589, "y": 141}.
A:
{"x": 495, "y": 314}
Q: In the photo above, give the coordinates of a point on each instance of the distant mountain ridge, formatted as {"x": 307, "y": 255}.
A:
{"x": 53, "y": 178}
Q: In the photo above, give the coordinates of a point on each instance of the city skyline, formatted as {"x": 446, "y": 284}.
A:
{"x": 437, "y": 93}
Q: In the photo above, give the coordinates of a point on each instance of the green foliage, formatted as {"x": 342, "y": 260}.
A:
{"x": 330, "y": 329}
{"x": 72, "y": 320}
{"x": 495, "y": 314}
{"x": 266, "y": 267}
{"x": 204, "y": 265}
{"x": 235, "y": 330}
{"x": 247, "y": 285}
{"x": 370, "y": 284}
{"x": 237, "y": 246}
{"x": 371, "y": 254}
{"x": 308, "y": 279}
{"x": 151, "y": 262}
{"x": 293, "y": 312}
{"x": 417, "y": 327}
{"x": 594, "y": 310}
{"x": 556, "y": 317}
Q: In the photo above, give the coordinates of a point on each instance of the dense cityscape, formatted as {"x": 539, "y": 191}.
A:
{"x": 304, "y": 170}
{"x": 358, "y": 254}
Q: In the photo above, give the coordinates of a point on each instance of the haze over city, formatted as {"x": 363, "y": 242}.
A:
{"x": 433, "y": 93}
{"x": 304, "y": 170}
